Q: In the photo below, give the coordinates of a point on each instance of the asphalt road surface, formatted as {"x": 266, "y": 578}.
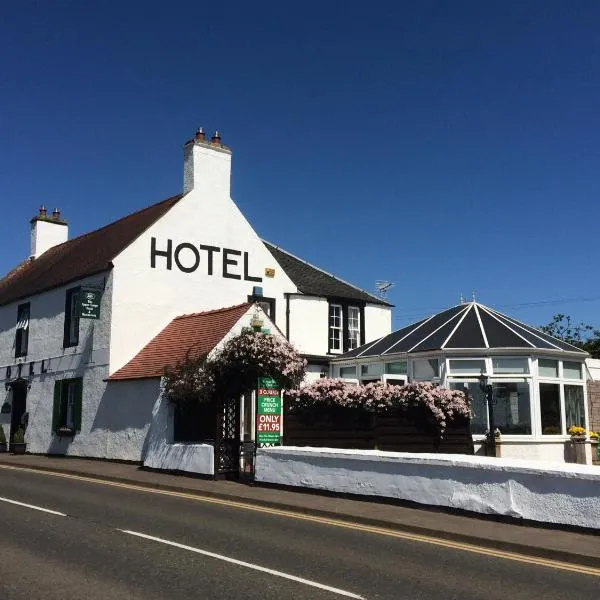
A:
{"x": 104, "y": 541}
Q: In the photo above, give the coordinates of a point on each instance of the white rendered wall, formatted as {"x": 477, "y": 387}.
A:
{"x": 146, "y": 299}
{"x": 89, "y": 360}
{"x": 309, "y": 324}
{"x": 553, "y": 493}
{"x": 45, "y": 235}
{"x": 378, "y": 321}
{"x": 593, "y": 367}
{"x": 161, "y": 453}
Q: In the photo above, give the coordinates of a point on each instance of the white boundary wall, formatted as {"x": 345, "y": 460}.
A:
{"x": 551, "y": 492}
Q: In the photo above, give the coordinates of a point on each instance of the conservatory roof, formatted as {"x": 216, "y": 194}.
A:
{"x": 471, "y": 326}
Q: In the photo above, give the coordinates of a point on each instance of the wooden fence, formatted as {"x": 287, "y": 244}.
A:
{"x": 397, "y": 432}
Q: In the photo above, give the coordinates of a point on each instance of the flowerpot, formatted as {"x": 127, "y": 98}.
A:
{"x": 18, "y": 448}
{"x": 579, "y": 444}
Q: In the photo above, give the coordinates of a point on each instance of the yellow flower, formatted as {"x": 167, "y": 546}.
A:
{"x": 576, "y": 430}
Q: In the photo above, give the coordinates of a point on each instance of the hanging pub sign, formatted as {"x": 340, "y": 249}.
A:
{"x": 268, "y": 412}
{"x": 89, "y": 304}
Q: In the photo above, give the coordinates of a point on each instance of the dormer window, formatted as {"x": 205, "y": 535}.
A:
{"x": 22, "y": 332}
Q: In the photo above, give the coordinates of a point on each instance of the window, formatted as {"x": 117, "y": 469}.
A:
{"x": 479, "y": 416}
{"x": 512, "y": 407}
{"x": 473, "y": 366}
{"x": 348, "y": 372}
{"x": 574, "y": 407}
{"x": 502, "y": 365}
{"x": 194, "y": 422}
{"x": 353, "y": 327}
{"x": 547, "y": 367}
{"x": 425, "y": 368}
{"x": 550, "y": 408}
{"x": 22, "y": 333}
{"x": 345, "y": 327}
{"x": 71, "y": 336}
{"x": 335, "y": 328}
{"x": 397, "y": 368}
{"x": 571, "y": 370}
{"x": 67, "y": 404}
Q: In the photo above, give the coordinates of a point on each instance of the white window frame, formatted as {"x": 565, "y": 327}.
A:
{"x": 355, "y": 330}
{"x": 331, "y": 328}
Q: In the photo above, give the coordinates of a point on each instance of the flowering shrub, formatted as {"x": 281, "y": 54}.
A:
{"x": 235, "y": 368}
{"x": 439, "y": 405}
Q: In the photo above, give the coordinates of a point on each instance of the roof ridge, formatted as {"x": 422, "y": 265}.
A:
{"x": 325, "y": 272}
{"x": 128, "y": 216}
{"x": 212, "y": 311}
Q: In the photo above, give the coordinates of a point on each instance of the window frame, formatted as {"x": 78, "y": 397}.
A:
{"x": 22, "y": 333}
{"x": 68, "y": 401}
{"x": 72, "y": 321}
{"x": 345, "y": 306}
{"x": 264, "y": 300}
{"x": 357, "y": 330}
{"x": 331, "y": 328}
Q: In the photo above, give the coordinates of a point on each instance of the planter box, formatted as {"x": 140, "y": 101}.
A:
{"x": 18, "y": 448}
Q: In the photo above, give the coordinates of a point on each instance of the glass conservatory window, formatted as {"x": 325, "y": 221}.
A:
{"x": 397, "y": 368}
{"x": 574, "y": 407}
{"x": 550, "y": 408}
{"x": 502, "y": 365}
{"x": 547, "y": 367}
{"x": 371, "y": 370}
{"x": 512, "y": 407}
{"x": 348, "y": 372}
{"x": 425, "y": 368}
{"x": 479, "y": 420}
{"x": 571, "y": 370}
{"x": 461, "y": 367}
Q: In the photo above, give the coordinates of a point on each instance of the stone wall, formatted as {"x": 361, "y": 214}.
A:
{"x": 594, "y": 405}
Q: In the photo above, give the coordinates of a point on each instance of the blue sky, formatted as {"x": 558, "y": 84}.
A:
{"x": 448, "y": 147}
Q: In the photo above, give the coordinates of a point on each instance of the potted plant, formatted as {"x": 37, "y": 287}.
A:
{"x": 577, "y": 433}
{"x": 2, "y": 440}
{"x": 18, "y": 445}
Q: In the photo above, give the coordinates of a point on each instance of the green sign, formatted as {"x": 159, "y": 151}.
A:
{"x": 268, "y": 412}
{"x": 89, "y": 303}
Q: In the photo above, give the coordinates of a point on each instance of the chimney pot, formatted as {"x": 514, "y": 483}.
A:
{"x": 43, "y": 211}
{"x": 216, "y": 138}
{"x": 56, "y": 214}
{"x": 200, "y": 134}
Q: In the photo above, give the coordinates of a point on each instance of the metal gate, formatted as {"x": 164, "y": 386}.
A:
{"x": 227, "y": 442}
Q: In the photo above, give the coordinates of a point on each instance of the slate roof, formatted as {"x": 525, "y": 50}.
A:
{"x": 315, "y": 282}
{"x": 470, "y": 326}
{"x": 196, "y": 333}
{"x": 82, "y": 256}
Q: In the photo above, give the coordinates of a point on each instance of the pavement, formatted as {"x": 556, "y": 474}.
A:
{"x": 574, "y": 546}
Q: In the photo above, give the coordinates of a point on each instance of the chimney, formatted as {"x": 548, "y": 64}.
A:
{"x": 206, "y": 164}
{"x": 47, "y": 232}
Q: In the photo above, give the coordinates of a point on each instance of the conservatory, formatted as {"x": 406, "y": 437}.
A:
{"x": 535, "y": 383}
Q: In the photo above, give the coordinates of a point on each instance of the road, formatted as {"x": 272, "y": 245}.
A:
{"x": 91, "y": 547}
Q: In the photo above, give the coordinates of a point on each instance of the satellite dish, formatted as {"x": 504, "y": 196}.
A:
{"x": 383, "y": 287}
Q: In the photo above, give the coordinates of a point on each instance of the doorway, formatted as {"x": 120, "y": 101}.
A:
{"x": 19, "y": 407}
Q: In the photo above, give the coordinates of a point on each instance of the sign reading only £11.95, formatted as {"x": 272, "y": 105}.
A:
{"x": 268, "y": 412}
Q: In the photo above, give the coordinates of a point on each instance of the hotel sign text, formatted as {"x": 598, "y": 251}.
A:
{"x": 213, "y": 260}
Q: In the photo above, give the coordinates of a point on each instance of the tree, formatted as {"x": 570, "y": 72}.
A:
{"x": 581, "y": 335}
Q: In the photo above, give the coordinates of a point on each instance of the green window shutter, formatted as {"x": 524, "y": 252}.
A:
{"x": 56, "y": 407}
{"x": 78, "y": 403}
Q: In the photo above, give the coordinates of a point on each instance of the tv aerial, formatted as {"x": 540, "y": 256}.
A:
{"x": 383, "y": 287}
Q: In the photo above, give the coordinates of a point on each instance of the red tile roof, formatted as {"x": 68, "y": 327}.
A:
{"x": 197, "y": 334}
{"x": 80, "y": 257}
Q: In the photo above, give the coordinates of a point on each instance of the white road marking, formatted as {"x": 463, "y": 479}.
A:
{"x": 241, "y": 563}
{"x": 46, "y": 510}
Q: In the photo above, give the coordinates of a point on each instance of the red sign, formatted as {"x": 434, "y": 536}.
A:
{"x": 269, "y": 423}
